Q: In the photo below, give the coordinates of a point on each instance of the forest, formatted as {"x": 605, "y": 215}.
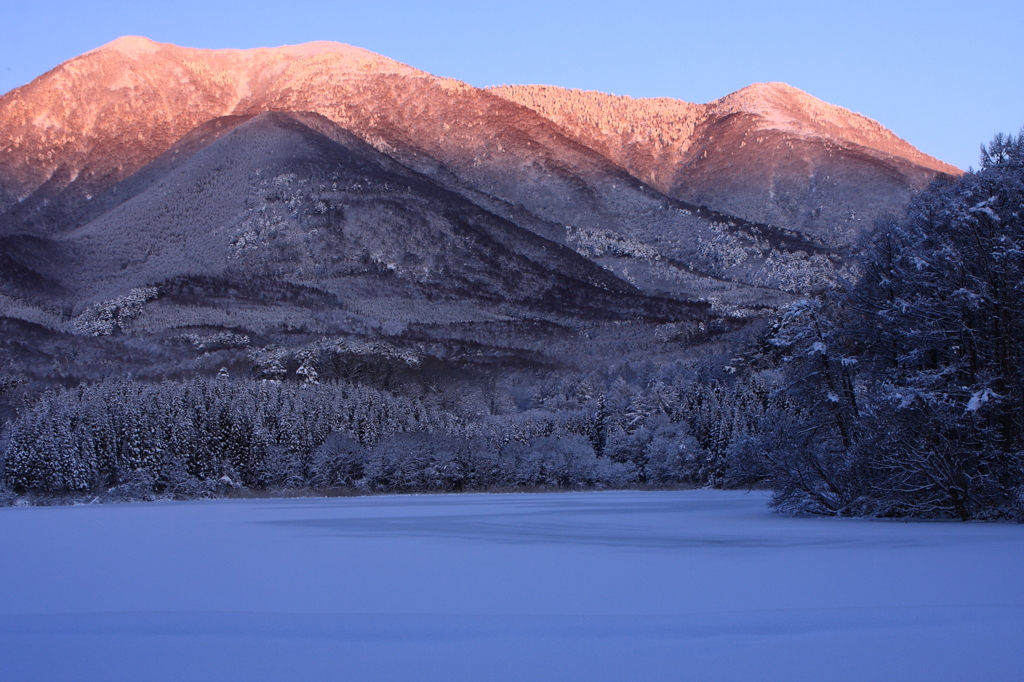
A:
{"x": 895, "y": 393}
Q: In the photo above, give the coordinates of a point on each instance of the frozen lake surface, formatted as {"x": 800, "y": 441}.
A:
{"x": 638, "y": 586}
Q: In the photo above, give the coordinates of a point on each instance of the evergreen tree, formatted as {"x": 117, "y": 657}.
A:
{"x": 905, "y": 395}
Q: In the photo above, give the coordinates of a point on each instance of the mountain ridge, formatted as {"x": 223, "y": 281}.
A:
{"x": 322, "y": 194}
{"x": 667, "y": 143}
{"x": 169, "y": 90}
{"x": 137, "y": 98}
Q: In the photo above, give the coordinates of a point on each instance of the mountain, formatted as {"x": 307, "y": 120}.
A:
{"x": 292, "y": 196}
{"x": 182, "y": 210}
{"x": 255, "y": 239}
{"x": 768, "y": 153}
{"x": 93, "y": 121}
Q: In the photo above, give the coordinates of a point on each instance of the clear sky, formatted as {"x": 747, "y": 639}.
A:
{"x": 946, "y": 76}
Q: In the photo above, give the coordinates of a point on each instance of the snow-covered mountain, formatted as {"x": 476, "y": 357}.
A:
{"x": 323, "y": 189}
{"x": 768, "y": 153}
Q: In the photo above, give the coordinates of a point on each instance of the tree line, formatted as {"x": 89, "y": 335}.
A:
{"x": 206, "y": 437}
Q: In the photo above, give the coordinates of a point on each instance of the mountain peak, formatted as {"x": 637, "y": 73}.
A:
{"x": 130, "y": 46}
{"x": 782, "y": 107}
{"x": 774, "y": 92}
{"x": 242, "y": 65}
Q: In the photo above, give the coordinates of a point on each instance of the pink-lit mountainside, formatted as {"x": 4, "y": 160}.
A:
{"x": 186, "y": 209}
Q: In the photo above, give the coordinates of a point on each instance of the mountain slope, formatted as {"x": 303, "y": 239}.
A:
{"x": 295, "y": 197}
{"x": 769, "y": 153}
{"x": 169, "y": 212}
{"x": 135, "y": 94}
{"x": 259, "y": 242}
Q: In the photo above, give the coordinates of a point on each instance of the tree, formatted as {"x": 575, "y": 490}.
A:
{"x": 912, "y": 382}
{"x": 943, "y": 306}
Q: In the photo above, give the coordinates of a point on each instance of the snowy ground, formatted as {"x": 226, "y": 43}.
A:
{"x": 639, "y": 586}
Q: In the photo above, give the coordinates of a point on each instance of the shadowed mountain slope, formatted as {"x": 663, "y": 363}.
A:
{"x": 264, "y": 243}
{"x": 293, "y": 197}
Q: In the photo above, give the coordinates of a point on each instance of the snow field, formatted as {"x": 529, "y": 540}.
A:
{"x": 687, "y": 585}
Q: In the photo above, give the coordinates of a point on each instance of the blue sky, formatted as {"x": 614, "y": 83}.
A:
{"x": 944, "y": 75}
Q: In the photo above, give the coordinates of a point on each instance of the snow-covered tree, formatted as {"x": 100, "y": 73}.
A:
{"x": 905, "y": 395}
